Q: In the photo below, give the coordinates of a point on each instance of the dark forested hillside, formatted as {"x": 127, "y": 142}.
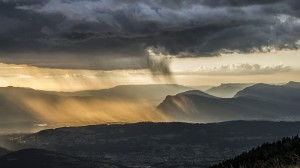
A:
{"x": 280, "y": 154}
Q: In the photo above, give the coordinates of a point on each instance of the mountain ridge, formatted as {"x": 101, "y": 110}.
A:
{"x": 257, "y": 102}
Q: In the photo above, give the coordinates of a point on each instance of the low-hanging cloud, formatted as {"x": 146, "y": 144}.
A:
{"x": 243, "y": 69}
{"x": 158, "y": 63}
{"x": 117, "y": 34}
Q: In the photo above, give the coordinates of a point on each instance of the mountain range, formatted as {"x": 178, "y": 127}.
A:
{"x": 257, "y": 102}
{"x": 28, "y": 110}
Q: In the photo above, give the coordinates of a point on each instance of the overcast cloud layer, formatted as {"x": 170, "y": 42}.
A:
{"x": 116, "y": 34}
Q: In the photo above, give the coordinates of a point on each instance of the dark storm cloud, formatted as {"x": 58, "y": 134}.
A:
{"x": 116, "y": 34}
{"x": 237, "y": 3}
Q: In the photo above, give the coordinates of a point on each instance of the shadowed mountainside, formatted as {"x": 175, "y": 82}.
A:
{"x": 257, "y": 102}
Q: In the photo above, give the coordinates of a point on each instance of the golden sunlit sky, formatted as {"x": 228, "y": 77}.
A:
{"x": 270, "y": 67}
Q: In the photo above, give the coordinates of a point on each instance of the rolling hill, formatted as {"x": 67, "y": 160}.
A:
{"x": 257, "y": 102}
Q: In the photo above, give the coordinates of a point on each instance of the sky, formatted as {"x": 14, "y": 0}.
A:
{"x": 69, "y": 45}
{"x": 274, "y": 67}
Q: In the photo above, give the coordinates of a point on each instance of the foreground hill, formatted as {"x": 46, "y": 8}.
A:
{"x": 159, "y": 144}
{"x": 280, "y": 154}
{"x": 227, "y": 90}
{"x": 257, "y": 102}
{"x": 38, "y": 158}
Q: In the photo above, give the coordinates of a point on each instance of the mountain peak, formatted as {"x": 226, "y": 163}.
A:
{"x": 293, "y": 84}
{"x": 227, "y": 90}
{"x": 195, "y": 92}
